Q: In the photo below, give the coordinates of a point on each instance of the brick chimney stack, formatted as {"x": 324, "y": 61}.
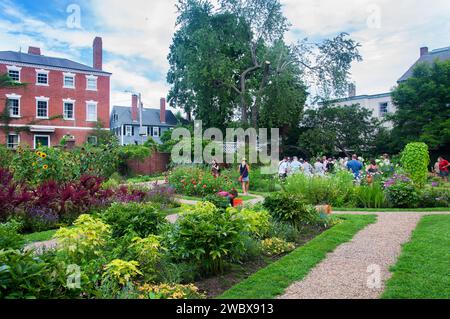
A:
{"x": 423, "y": 51}
{"x": 134, "y": 107}
{"x": 98, "y": 53}
{"x": 162, "y": 110}
{"x": 34, "y": 50}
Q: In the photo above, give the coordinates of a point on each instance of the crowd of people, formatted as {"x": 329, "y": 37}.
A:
{"x": 324, "y": 165}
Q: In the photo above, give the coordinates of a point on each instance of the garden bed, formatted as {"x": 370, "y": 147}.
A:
{"x": 215, "y": 286}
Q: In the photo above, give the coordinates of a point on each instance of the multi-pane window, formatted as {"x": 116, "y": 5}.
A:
{"x": 69, "y": 81}
{"x": 14, "y": 75}
{"x": 128, "y": 130}
{"x": 14, "y": 107}
{"x": 91, "y": 82}
{"x": 42, "y": 78}
{"x": 42, "y": 109}
{"x": 13, "y": 141}
{"x": 91, "y": 112}
{"x": 69, "y": 111}
{"x": 384, "y": 109}
{"x": 155, "y": 132}
{"x": 92, "y": 140}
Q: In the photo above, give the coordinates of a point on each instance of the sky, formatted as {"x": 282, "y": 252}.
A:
{"x": 137, "y": 35}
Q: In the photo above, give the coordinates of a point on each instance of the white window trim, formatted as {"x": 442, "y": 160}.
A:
{"x": 18, "y": 140}
{"x": 91, "y": 77}
{"x": 42, "y": 71}
{"x": 14, "y": 97}
{"x": 43, "y": 99}
{"x": 130, "y": 133}
{"x": 73, "y": 112}
{"x": 87, "y": 111}
{"x": 157, "y": 131}
{"x": 38, "y": 135}
{"x": 72, "y": 75}
{"x": 15, "y": 68}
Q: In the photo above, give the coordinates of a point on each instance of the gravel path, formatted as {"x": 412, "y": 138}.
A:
{"x": 348, "y": 272}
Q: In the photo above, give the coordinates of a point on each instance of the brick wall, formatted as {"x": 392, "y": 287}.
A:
{"x": 56, "y": 93}
{"x": 157, "y": 163}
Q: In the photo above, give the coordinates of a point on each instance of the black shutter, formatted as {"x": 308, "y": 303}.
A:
{"x": 124, "y": 130}
{"x": 132, "y": 130}
{"x": 159, "y": 132}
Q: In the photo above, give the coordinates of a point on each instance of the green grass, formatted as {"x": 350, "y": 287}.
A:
{"x": 41, "y": 236}
{"x": 272, "y": 281}
{"x": 423, "y": 269}
{"x": 381, "y": 210}
{"x": 145, "y": 179}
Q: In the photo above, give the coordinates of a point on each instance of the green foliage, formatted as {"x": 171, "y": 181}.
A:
{"x": 415, "y": 160}
{"x": 147, "y": 252}
{"x": 402, "y": 194}
{"x": 336, "y": 190}
{"x": 371, "y": 196}
{"x": 331, "y": 128}
{"x": 276, "y": 246}
{"x": 194, "y": 181}
{"x": 257, "y": 221}
{"x": 141, "y": 219}
{"x": 284, "y": 230}
{"x": 169, "y": 291}
{"x": 291, "y": 208}
{"x": 208, "y": 236}
{"x": 10, "y": 237}
{"x": 422, "y": 107}
{"x": 6, "y": 156}
{"x": 434, "y": 197}
{"x": 85, "y": 240}
{"x": 134, "y": 152}
{"x": 218, "y": 201}
{"x": 121, "y": 272}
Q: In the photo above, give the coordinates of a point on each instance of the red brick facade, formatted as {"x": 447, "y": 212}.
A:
{"x": 55, "y": 126}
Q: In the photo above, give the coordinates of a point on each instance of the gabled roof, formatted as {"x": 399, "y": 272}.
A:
{"x": 42, "y": 60}
{"x": 150, "y": 117}
{"x": 442, "y": 54}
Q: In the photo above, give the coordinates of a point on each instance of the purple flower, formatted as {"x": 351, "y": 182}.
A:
{"x": 434, "y": 184}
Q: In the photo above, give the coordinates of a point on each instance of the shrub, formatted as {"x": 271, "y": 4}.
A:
{"x": 142, "y": 219}
{"x": 85, "y": 240}
{"x": 258, "y": 222}
{"x": 6, "y": 156}
{"x": 208, "y": 236}
{"x": 276, "y": 246}
{"x": 218, "y": 201}
{"x": 194, "y": 181}
{"x": 24, "y": 276}
{"x": 177, "y": 273}
{"x": 336, "y": 190}
{"x": 401, "y": 193}
{"x": 147, "y": 251}
{"x": 434, "y": 197}
{"x": 121, "y": 272}
{"x": 285, "y": 231}
{"x": 291, "y": 208}
{"x": 10, "y": 237}
{"x": 415, "y": 160}
{"x": 166, "y": 291}
{"x": 161, "y": 194}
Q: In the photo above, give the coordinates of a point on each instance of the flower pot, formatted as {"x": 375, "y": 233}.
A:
{"x": 324, "y": 209}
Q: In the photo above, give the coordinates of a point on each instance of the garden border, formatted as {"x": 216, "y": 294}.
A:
{"x": 273, "y": 280}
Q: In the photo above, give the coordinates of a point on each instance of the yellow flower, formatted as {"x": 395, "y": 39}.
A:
{"x": 34, "y": 164}
{"x": 45, "y": 167}
{"x": 38, "y": 153}
{"x": 43, "y": 155}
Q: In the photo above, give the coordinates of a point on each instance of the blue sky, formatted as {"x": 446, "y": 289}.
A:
{"x": 137, "y": 35}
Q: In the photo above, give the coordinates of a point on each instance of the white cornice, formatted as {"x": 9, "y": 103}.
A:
{"x": 37, "y": 66}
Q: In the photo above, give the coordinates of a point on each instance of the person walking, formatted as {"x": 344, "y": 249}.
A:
{"x": 295, "y": 166}
{"x": 319, "y": 168}
{"x": 215, "y": 169}
{"x": 307, "y": 169}
{"x": 355, "y": 166}
{"x": 443, "y": 168}
{"x": 283, "y": 169}
{"x": 244, "y": 178}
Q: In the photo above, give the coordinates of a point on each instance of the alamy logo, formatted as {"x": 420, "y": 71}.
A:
{"x": 74, "y": 19}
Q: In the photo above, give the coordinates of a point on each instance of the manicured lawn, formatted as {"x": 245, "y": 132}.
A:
{"x": 272, "y": 281}
{"x": 381, "y": 210}
{"x": 145, "y": 179}
{"x": 42, "y": 236}
{"x": 423, "y": 269}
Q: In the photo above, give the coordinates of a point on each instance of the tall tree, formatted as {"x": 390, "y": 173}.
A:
{"x": 342, "y": 129}
{"x": 224, "y": 60}
{"x": 423, "y": 103}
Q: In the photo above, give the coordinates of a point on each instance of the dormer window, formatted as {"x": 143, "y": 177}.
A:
{"x": 14, "y": 73}
{"x": 42, "y": 77}
{"x": 115, "y": 117}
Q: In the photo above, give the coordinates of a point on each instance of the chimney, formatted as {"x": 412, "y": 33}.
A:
{"x": 98, "y": 53}
{"x": 423, "y": 51}
{"x": 34, "y": 50}
{"x": 134, "y": 108}
{"x": 352, "y": 90}
{"x": 162, "y": 110}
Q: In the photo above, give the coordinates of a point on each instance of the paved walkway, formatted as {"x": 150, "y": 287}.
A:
{"x": 350, "y": 272}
